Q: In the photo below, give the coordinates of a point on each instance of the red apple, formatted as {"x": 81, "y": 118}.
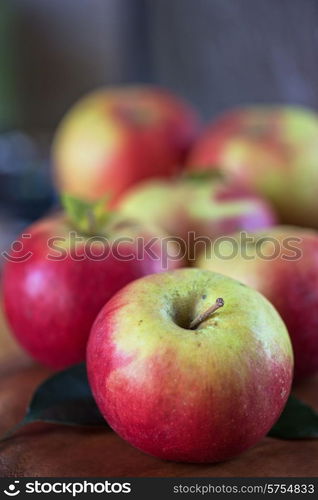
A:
{"x": 115, "y": 137}
{"x": 207, "y": 207}
{"x": 270, "y": 149}
{"x": 54, "y": 286}
{"x": 281, "y": 263}
{"x": 185, "y": 386}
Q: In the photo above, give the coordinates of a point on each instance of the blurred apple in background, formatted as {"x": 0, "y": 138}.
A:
{"x": 273, "y": 150}
{"x": 189, "y": 392}
{"x": 205, "y": 205}
{"x": 54, "y": 288}
{"x": 115, "y": 137}
{"x": 281, "y": 263}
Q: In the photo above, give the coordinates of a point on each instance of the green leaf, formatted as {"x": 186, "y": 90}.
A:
{"x": 64, "y": 398}
{"x": 298, "y": 421}
{"x": 88, "y": 217}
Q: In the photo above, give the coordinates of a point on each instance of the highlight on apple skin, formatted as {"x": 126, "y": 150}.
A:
{"x": 115, "y": 137}
{"x": 52, "y": 298}
{"x": 287, "y": 276}
{"x": 270, "y": 149}
{"x": 193, "y": 395}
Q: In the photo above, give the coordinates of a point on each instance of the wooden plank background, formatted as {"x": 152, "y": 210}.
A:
{"x": 217, "y": 53}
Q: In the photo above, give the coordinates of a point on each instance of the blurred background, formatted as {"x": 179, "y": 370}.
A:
{"x": 215, "y": 53}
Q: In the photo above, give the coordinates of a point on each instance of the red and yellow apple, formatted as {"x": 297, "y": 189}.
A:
{"x": 270, "y": 149}
{"x": 281, "y": 263}
{"x": 115, "y": 137}
{"x": 56, "y": 280}
{"x": 207, "y": 207}
{"x": 183, "y": 387}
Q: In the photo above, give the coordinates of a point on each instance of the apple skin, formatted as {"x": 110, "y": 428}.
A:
{"x": 201, "y": 395}
{"x": 208, "y": 207}
{"x": 290, "y": 285}
{"x": 270, "y": 149}
{"x": 115, "y": 137}
{"x": 52, "y": 304}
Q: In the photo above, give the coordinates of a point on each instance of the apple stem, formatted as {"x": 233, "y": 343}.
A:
{"x": 203, "y": 316}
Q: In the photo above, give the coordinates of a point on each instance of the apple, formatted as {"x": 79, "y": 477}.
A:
{"x": 207, "y": 207}
{"x": 115, "y": 137}
{"x": 56, "y": 280}
{"x": 181, "y": 377}
{"x": 282, "y": 264}
{"x": 270, "y": 149}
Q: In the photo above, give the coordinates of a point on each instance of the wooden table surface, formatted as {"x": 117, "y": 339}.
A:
{"x": 51, "y": 450}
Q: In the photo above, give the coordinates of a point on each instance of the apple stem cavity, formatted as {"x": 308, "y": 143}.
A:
{"x": 206, "y": 314}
